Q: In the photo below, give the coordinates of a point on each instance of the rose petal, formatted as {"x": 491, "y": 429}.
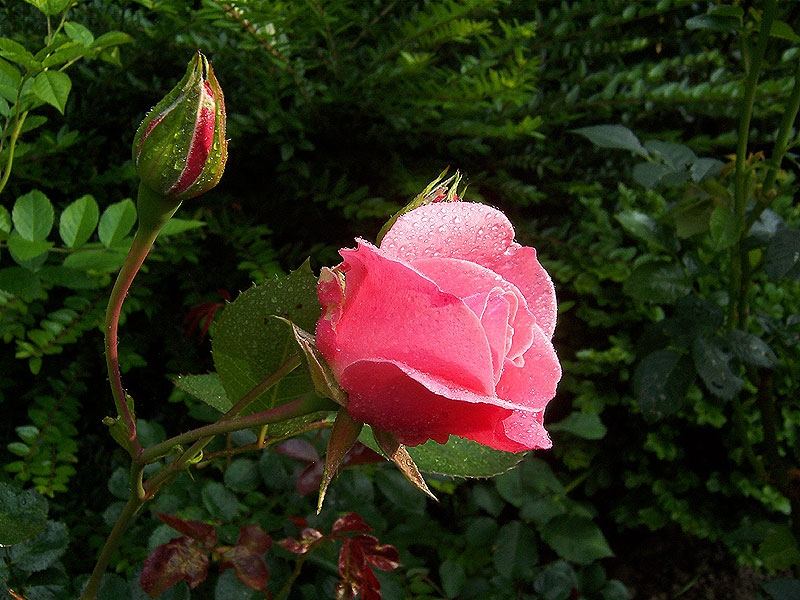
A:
{"x": 384, "y": 395}
{"x": 525, "y": 429}
{"x": 464, "y": 278}
{"x": 494, "y": 309}
{"x": 533, "y": 384}
{"x": 391, "y": 312}
{"x": 520, "y": 266}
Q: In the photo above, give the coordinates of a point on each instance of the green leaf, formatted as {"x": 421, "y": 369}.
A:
{"x": 458, "y": 457}
{"x": 78, "y": 221}
{"x": 111, "y": 38}
{"x": 5, "y": 223}
{"x": 52, "y": 87}
{"x": 73, "y": 279}
{"x": 41, "y": 552}
{"x": 93, "y": 259}
{"x": 751, "y": 349}
{"x": 613, "y": 136}
{"x": 576, "y": 539}
{"x": 712, "y": 361}
{"x": 21, "y": 283}
{"x": 660, "y": 383}
{"x": 650, "y": 174}
{"x": 249, "y": 343}
{"x": 207, "y": 388}
{"x": 220, "y": 502}
{"x": 779, "y": 550}
{"x": 675, "y": 156}
{"x": 704, "y": 168}
{"x": 515, "y": 552}
{"x": 642, "y": 227}
{"x": 23, "y": 250}
{"x": 10, "y": 80}
{"x": 175, "y": 226}
{"x": 242, "y": 475}
{"x": 51, "y": 7}
{"x": 33, "y": 216}
{"x": 718, "y": 18}
{"x": 533, "y": 478}
{"x": 78, "y": 33}
{"x": 784, "y": 31}
{"x": 116, "y": 222}
{"x": 782, "y": 257}
{"x": 723, "y": 227}
{"x": 692, "y": 215}
{"x": 583, "y": 425}
{"x": 556, "y": 581}
{"x": 65, "y": 53}
{"x": 658, "y": 282}
{"x": 23, "y": 514}
{"x": 16, "y": 53}
{"x": 453, "y": 577}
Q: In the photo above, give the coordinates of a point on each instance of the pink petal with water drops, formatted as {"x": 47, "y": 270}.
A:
{"x": 533, "y": 384}
{"x": 389, "y": 311}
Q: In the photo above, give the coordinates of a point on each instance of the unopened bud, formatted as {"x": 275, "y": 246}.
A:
{"x": 180, "y": 148}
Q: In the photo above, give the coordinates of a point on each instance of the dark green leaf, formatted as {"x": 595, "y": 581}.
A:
{"x": 658, "y": 282}
{"x": 175, "y": 226}
{"x": 99, "y": 260}
{"x": 207, "y": 388}
{"x": 10, "y": 80}
{"x": 458, "y": 457}
{"x": 751, "y": 349}
{"x": 705, "y": 167}
{"x": 33, "y": 216}
{"x": 779, "y": 550}
{"x": 782, "y": 589}
{"x": 65, "y": 53}
{"x": 784, "y": 31}
{"x": 242, "y": 475}
{"x": 642, "y": 227}
{"x": 220, "y": 502}
{"x": 712, "y": 360}
{"x": 613, "y": 136}
{"x": 453, "y": 577}
{"x": 42, "y": 551}
{"x": 52, "y": 87}
{"x": 676, "y": 156}
{"x": 21, "y": 283}
{"x": 23, "y": 514}
{"x": 692, "y": 215}
{"x": 116, "y": 222}
{"x": 249, "y": 343}
{"x": 5, "y": 223}
{"x": 515, "y": 551}
{"x": 576, "y": 539}
{"x": 650, "y": 174}
{"x": 660, "y": 383}
{"x": 782, "y": 258}
{"x": 74, "y": 279}
{"x": 556, "y": 582}
{"x": 532, "y": 478}
{"x": 584, "y": 425}
{"x": 78, "y": 221}
{"x": 723, "y": 228}
{"x": 112, "y": 38}
{"x": 16, "y": 53}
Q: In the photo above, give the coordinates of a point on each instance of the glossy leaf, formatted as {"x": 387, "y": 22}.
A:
{"x": 576, "y": 539}
{"x": 712, "y": 361}
{"x": 116, "y": 222}
{"x": 78, "y": 221}
{"x": 657, "y": 282}
{"x": 181, "y": 559}
{"x": 458, "y": 457}
{"x": 751, "y": 349}
{"x": 782, "y": 258}
{"x": 33, "y": 216}
{"x": 52, "y": 87}
{"x": 41, "y": 552}
{"x": 207, "y": 388}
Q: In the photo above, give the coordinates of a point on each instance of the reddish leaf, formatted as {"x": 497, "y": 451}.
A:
{"x": 356, "y": 576}
{"x": 349, "y": 522}
{"x": 301, "y": 522}
{"x": 202, "y": 532}
{"x": 361, "y": 455}
{"x": 308, "y": 537}
{"x": 380, "y": 556}
{"x": 298, "y": 449}
{"x": 254, "y": 538}
{"x": 182, "y": 559}
{"x": 309, "y": 479}
{"x": 247, "y": 557}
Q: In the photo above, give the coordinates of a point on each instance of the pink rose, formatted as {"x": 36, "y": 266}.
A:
{"x": 444, "y": 329}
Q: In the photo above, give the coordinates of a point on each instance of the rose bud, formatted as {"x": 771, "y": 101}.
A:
{"x": 180, "y": 148}
{"x": 444, "y": 329}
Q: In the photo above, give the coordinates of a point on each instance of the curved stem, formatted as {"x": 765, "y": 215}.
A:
{"x": 124, "y": 521}
{"x": 12, "y": 143}
{"x": 140, "y": 248}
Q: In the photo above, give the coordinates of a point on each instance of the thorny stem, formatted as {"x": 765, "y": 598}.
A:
{"x": 741, "y": 174}
{"x": 140, "y": 248}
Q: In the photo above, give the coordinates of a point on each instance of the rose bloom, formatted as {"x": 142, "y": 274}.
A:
{"x": 445, "y": 329}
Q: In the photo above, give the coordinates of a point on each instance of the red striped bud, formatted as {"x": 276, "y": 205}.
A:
{"x": 180, "y": 148}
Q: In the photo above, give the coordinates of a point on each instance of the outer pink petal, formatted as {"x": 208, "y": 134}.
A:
{"x": 465, "y": 230}
{"x": 463, "y": 278}
{"x": 480, "y": 234}
{"x": 533, "y": 384}
{"x": 388, "y": 311}
{"x": 383, "y": 395}
{"x": 527, "y": 430}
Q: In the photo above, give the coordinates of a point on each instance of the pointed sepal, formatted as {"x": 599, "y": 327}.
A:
{"x": 322, "y": 376}
{"x": 398, "y": 454}
{"x": 344, "y": 435}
